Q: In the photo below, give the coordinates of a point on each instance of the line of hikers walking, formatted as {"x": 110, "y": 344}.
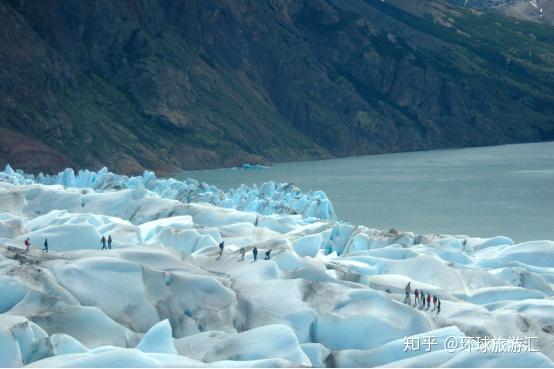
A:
{"x": 107, "y": 245}
{"x": 28, "y": 245}
{"x": 103, "y": 241}
{"x": 421, "y": 299}
{"x": 242, "y": 252}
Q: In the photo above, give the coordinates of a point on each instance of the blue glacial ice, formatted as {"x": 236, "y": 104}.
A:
{"x": 265, "y": 199}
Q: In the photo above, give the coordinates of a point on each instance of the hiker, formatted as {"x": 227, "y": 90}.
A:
{"x": 221, "y": 246}
{"x": 434, "y": 302}
{"x": 27, "y": 245}
{"x": 103, "y": 242}
{"x": 428, "y": 300}
{"x": 439, "y": 307}
{"x": 408, "y": 291}
{"x": 422, "y": 298}
{"x": 45, "y": 249}
{"x": 242, "y": 252}
{"x": 416, "y": 296}
{"x": 110, "y": 241}
{"x": 255, "y": 252}
{"x": 267, "y": 255}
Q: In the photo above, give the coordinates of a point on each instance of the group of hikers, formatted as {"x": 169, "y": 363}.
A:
{"x": 422, "y": 299}
{"x": 103, "y": 242}
{"x": 242, "y": 252}
{"x": 28, "y": 245}
{"x": 107, "y": 245}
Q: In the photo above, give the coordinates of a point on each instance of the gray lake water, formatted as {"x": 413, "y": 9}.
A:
{"x": 487, "y": 191}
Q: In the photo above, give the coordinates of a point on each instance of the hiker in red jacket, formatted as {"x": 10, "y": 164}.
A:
{"x": 27, "y": 245}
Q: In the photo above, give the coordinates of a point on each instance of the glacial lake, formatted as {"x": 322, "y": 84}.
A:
{"x": 486, "y": 191}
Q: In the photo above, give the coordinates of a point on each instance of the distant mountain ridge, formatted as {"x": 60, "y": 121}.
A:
{"x": 169, "y": 85}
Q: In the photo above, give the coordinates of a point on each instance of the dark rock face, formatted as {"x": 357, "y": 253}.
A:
{"x": 165, "y": 85}
{"x": 22, "y": 152}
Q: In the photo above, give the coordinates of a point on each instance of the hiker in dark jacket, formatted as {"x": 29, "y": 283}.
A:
{"x": 267, "y": 254}
{"x": 221, "y": 246}
{"x": 439, "y": 307}
{"x": 416, "y": 297}
{"x": 407, "y": 292}
{"x": 103, "y": 242}
{"x": 255, "y": 252}
{"x": 110, "y": 241}
{"x": 434, "y": 302}
{"x": 45, "y": 249}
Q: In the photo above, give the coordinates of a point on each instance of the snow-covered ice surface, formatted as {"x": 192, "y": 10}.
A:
{"x": 331, "y": 295}
{"x": 268, "y": 198}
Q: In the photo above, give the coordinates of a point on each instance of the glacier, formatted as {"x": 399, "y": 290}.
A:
{"x": 268, "y": 198}
{"x": 332, "y": 294}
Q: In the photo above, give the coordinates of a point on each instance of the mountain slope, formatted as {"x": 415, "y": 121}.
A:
{"x": 166, "y": 85}
{"x": 524, "y": 9}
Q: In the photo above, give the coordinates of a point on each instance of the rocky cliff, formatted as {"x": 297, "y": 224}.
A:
{"x": 166, "y": 85}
